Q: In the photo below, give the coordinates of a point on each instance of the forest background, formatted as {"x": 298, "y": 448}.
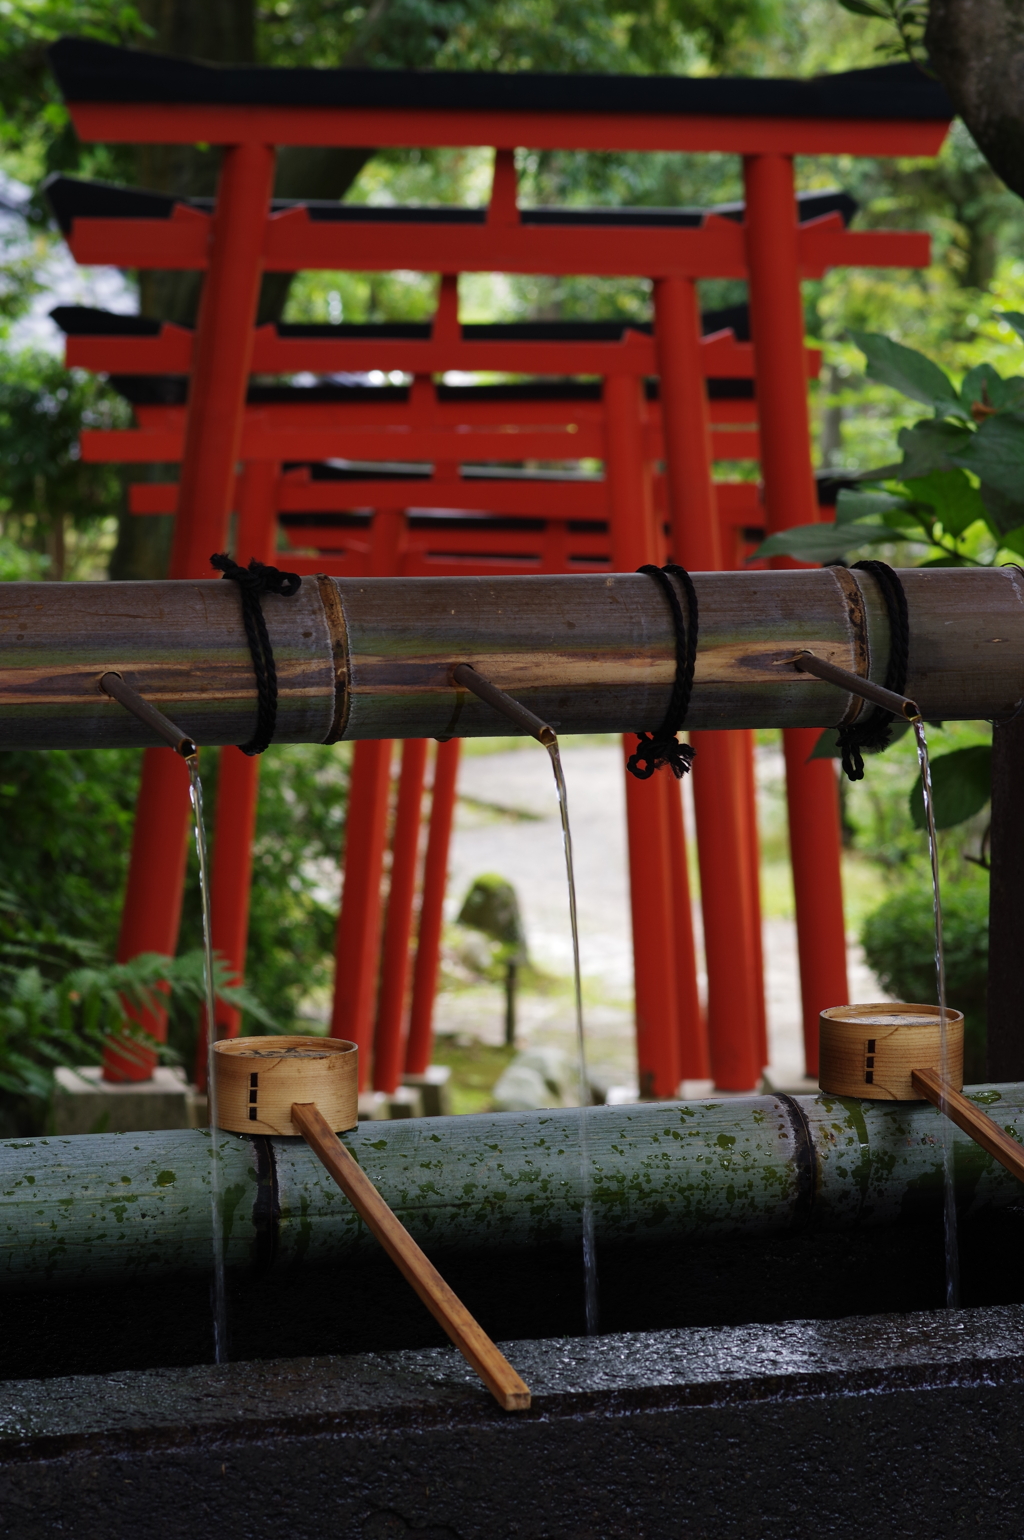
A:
{"x": 68, "y": 816}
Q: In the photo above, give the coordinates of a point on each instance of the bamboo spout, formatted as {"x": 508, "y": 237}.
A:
{"x": 899, "y": 705}
{"x": 113, "y": 685}
{"x": 465, "y": 674}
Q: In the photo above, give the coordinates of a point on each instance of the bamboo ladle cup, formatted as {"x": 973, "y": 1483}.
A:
{"x": 258, "y": 1081}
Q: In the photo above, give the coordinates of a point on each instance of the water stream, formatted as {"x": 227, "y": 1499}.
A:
{"x": 589, "y": 1254}
{"x": 218, "y": 1296}
{"x": 946, "y": 1127}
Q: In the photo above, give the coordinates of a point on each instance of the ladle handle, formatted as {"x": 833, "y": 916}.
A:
{"x": 469, "y": 1337}
{"x": 966, "y": 1115}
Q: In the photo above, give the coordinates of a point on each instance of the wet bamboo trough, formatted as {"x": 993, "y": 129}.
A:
{"x": 81, "y": 1210}
{"x": 373, "y": 658}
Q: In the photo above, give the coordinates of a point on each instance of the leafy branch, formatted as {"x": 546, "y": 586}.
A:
{"x": 907, "y": 18}
{"x": 61, "y": 1002}
{"x": 961, "y": 477}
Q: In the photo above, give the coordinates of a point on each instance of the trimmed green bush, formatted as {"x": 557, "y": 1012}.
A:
{"x": 899, "y": 943}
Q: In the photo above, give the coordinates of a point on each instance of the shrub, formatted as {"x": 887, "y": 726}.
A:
{"x": 898, "y": 941}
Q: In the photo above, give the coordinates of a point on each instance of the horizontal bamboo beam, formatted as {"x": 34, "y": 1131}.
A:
{"x": 374, "y": 657}
{"x": 78, "y": 1210}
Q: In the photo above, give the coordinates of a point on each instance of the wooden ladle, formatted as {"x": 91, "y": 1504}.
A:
{"x": 969, "y": 1117}
{"x": 444, "y": 1305}
{"x": 267, "y": 1085}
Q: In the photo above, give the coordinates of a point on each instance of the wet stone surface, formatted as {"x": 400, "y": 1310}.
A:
{"x": 710, "y": 1367}
{"x": 776, "y": 1432}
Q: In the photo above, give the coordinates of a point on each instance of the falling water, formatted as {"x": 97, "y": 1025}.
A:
{"x": 589, "y": 1254}
{"x": 949, "y": 1192}
{"x": 219, "y": 1296}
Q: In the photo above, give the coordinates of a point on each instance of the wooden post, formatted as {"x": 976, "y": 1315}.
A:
{"x": 781, "y": 376}
{"x": 746, "y": 757}
{"x": 223, "y": 347}
{"x": 694, "y": 1063}
{"x": 357, "y": 970}
{"x": 152, "y": 913}
{"x": 812, "y": 801}
{"x": 357, "y": 951}
{"x": 650, "y": 876}
{"x": 419, "y": 1048}
{"x": 1006, "y": 902}
{"x": 388, "y": 1043}
{"x": 238, "y": 780}
{"x": 733, "y": 1017}
{"x": 735, "y": 987}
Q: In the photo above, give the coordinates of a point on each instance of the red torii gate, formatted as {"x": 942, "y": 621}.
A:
{"x": 313, "y": 421}
{"x": 249, "y": 111}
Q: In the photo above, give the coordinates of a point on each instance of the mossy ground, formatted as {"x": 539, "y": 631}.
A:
{"x": 475, "y": 1068}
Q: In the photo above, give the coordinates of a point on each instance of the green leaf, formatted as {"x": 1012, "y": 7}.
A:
{"x": 978, "y": 384}
{"x": 907, "y": 371}
{"x": 865, "y": 8}
{"x": 985, "y": 386}
{"x": 953, "y": 497}
{"x": 1012, "y": 318}
{"x": 1002, "y": 514}
{"x": 820, "y": 542}
{"x": 851, "y": 505}
{"x": 995, "y": 454}
{"x": 1013, "y": 540}
{"x": 930, "y": 446}
{"x": 961, "y": 784}
{"x": 827, "y": 746}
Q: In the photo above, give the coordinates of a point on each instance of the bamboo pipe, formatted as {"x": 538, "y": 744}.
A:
{"x": 79, "y": 1210}
{"x": 373, "y": 657}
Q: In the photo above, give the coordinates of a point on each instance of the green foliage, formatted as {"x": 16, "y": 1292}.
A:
{"x": 563, "y": 35}
{"x": 61, "y": 1002}
{"x": 907, "y": 20}
{"x": 958, "y": 490}
{"x": 67, "y": 818}
{"x": 33, "y": 118}
{"x": 53, "y": 504}
{"x": 908, "y": 371}
{"x": 961, "y": 787}
{"x": 898, "y": 941}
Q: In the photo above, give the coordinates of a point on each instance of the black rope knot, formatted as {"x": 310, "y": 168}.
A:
{"x": 872, "y": 732}
{"x": 653, "y": 751}
{"x": 662, "y": 746}
{"x": 252, "y": 581}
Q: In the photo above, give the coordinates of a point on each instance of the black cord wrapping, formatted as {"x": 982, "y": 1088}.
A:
{"x": 873, "y": 729}
{"x": 662, "y": 747}
{"x": 254, "y": 580}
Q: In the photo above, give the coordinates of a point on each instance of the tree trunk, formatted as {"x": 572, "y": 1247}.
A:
{"x": 976, "y": 47}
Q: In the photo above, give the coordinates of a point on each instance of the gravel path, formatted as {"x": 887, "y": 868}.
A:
{"x": 507, "y": 822}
